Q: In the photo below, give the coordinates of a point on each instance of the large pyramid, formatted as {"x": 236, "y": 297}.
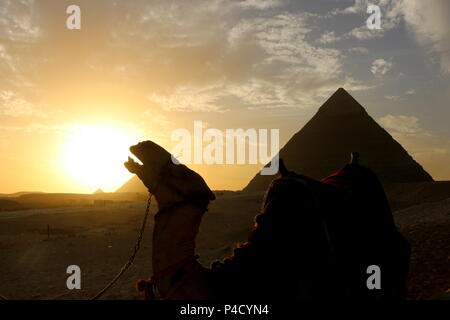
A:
{"x": 341, "y": 126}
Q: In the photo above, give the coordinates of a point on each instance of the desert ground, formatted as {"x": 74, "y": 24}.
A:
{"x": 99, "y": 239}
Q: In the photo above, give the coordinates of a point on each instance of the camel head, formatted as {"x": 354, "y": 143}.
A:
{"x": 167, "y": 180}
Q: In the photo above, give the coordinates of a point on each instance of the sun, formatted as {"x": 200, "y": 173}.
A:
{"x": 93, "y": 156}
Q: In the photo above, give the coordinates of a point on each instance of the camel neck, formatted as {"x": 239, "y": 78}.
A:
{"x": 174, "y": 236}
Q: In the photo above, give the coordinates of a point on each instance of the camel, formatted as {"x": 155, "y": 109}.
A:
{"x": 296, "y": 250}
{"x": 183, "y": 197}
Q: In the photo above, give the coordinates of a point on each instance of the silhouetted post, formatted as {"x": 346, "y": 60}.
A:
{"x": 48, "y": 231}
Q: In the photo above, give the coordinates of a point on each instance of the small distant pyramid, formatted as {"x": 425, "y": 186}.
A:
{"x": 340, "y": 126}
{"x": 99, "y": 191}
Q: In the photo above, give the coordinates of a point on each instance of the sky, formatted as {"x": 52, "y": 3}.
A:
{"x": 72, "y": 101}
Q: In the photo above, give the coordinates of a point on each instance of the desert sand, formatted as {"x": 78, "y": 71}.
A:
{"x": 100, "y": 239}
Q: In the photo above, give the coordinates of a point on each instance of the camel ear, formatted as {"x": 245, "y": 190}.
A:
{"x": 282, "y": 168}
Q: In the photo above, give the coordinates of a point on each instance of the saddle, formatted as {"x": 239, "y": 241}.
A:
{"x": 317, "y": 239}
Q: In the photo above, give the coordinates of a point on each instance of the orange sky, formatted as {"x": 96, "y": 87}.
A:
{"x": 139, "y": 70}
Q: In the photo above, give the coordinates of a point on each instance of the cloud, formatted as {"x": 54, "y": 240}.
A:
{"x": 7, "y": 61}
{"x": 393, "y": 98}
{"x": 357, "y": 7}
{"x": 401, "y": 124}
{"x": 428, "y": 21}
{"x": 16, "y": 21}
{"x": 12, "y": 105}
{"x": 361, "y": 50}
{"x": 294, "y": 71}
{"x": 187, "y": 99}
{"x": 157, "y": 117}
{"x": 264, "y": 62}
{"x": 391, "y": 15}
{"x": 380, "y": 67}
{"x": 363, "y": 33}
{"x": 410, "y": 91}
{"x": 430, "y": 24}
{"x": 328, "y": 37}
{"x": 203, "y": 56}
{"x": 261, "y": 4}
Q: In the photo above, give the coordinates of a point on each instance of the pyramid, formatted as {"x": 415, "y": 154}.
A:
{"x": 133, "y": 185}
{"x": 341, "y": 126}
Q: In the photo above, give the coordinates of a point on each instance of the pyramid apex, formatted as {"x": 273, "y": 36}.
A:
{"x": 341, "y": 102}
{"x": 342, "y": 90}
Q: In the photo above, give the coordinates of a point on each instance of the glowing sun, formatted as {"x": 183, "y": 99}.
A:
{"x": 93, "y": 156}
